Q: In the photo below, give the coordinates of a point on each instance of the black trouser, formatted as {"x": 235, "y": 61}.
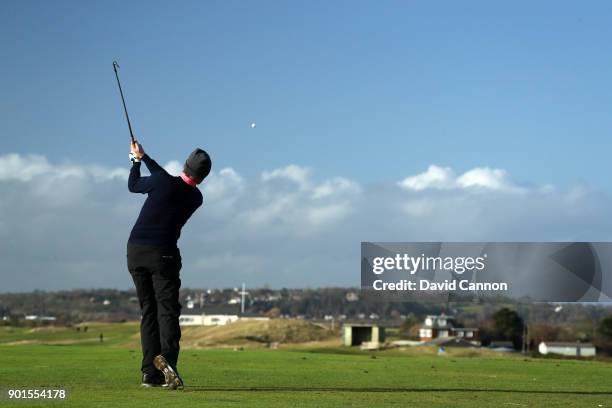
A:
{"x": 155, "y": 272}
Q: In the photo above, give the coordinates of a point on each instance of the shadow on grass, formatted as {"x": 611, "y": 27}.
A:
{"x": 383, "y": 389}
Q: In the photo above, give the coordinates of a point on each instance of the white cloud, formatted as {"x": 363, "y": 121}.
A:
{"x": 227, "y": 182}
{"x": 487, "y": 178}
{"x": 32, "y": 166}
{"x": 434, "y": 177}
{"x": 231, "y": 260}
{"x": 328, "y": 214}
{"x": 292, "y": 172}
{"x": 335, "y": 186}
{"x": 65, "y": 225}
{"x": 304, "y": 207}
{"x": 444, "y": 178}
{"x": 281, "y": 210}
{"x": 16, "y": 167}
{"x": 418, "y": 207}
{"x": 174, "y": 167}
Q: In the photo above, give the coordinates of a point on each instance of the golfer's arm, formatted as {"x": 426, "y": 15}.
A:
{"x": 138, "y": 184}
{"x": 152, "y": 165}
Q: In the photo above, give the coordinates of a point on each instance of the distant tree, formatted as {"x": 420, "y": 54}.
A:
{"x": 604, "y": 335}
{"x": 487, "y": 331}
{"x": 273, "y": 313}
{"x": 508, "y": 325}
{"x": 394, "y": 314}
{"x": 544, "y": 332}
{"x": 605, "y": 329}
{"x": 406, "y": 330}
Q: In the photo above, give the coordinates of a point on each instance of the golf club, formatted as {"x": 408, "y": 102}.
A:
{"x": 115, "y": 66}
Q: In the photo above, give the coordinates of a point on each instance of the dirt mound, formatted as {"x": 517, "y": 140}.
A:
{"x": 254, "y": 332}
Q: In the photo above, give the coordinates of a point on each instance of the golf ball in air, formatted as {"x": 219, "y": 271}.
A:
{"x": 253, "y": 125}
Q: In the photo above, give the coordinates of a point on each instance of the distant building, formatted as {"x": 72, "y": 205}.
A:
{"x": 567, "y": 349}
{"x": 41, "y": 318}
{"x": 355, "y": 334}
{"x": 352, "y": 297}
{"x": 216, "y": 316}
{"x": 206, "y": 320}
{"x": 444, "y": 326}
{"x": 191, "y": 320}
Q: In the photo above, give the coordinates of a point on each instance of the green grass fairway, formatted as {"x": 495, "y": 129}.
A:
{"x": 108, "y": 375}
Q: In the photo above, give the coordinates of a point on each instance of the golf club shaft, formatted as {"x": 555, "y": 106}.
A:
{"x": 115, "y": 65}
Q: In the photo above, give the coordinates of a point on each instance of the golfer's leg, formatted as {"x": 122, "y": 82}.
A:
{"x": 149, "y": 328}
{"x": 167, "y": 283}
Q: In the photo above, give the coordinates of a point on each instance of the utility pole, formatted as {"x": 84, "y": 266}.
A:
{"x": 242, "y": 294}
{"x": 523, "y": 310}
{"x": 526, "y": 341}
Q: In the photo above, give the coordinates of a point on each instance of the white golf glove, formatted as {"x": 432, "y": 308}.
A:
{"x": 133, "y": 158}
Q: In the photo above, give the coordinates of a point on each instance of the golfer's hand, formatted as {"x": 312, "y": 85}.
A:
{"x": 137, "y": 150}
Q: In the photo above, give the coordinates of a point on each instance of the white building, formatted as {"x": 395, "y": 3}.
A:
{"x": 206, "y": 319}
{"x": 443, "y": 326}
{"x": 40, "y": 318}
{"x": 216, "y": 315}
{"x": 191, "y": 320}
{"x": 567, "y": 349}
{"x": 352, "y": 297}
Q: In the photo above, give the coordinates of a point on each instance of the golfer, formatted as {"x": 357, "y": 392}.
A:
{"x": 154, "y": 260}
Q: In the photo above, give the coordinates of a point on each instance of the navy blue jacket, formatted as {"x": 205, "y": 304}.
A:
{"x": 169, "y": 204}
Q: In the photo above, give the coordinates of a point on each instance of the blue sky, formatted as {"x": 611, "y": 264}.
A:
{"x": 368, "y": 90}
{"x": 376, "y": 121}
